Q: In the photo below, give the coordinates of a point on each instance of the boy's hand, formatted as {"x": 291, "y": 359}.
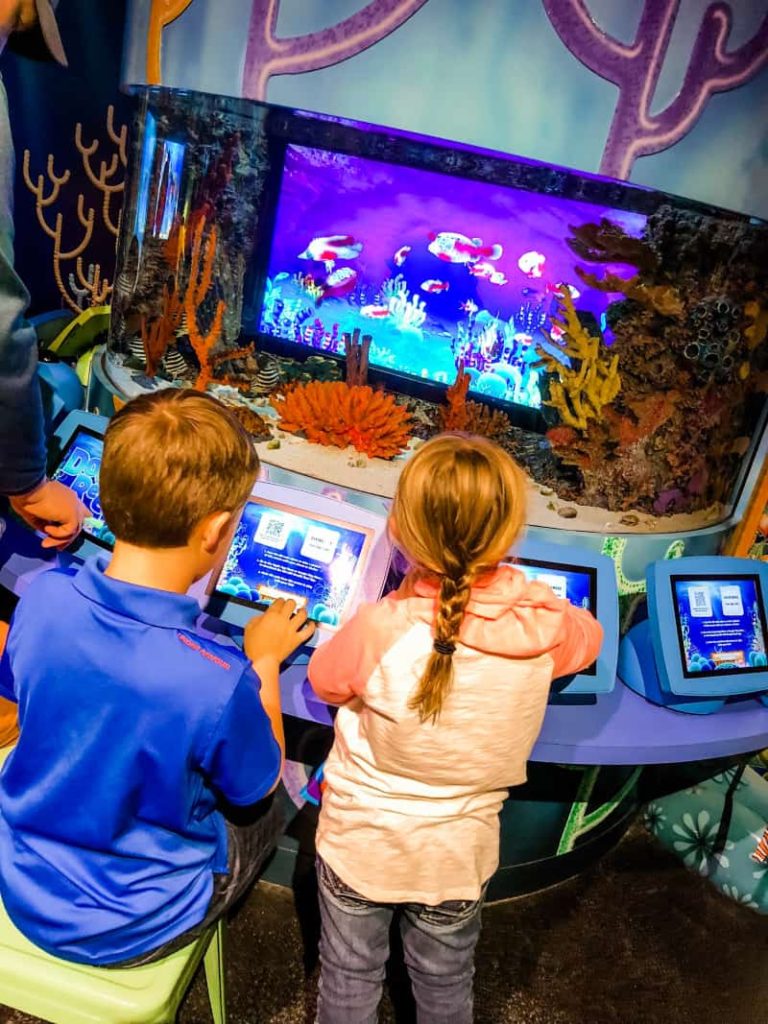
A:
{"x": 277, "y": 633}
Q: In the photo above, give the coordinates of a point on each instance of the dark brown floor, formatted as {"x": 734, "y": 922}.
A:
{"x": 637, "y": 940}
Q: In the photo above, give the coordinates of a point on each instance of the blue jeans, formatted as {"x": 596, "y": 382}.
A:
{"x": 439, "y": 944}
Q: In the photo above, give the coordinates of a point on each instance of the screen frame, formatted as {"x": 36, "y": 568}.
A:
{"x": 364, "y": 557}
{"x": 664, "y": 635}
{"x": 79, "y": 427}
{"x": 606, "y": 610}
{"x": 585, "y": 570}
{"x": 709, "y": 578}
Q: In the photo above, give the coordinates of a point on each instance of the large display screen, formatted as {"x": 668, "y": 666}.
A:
{"x": 720, "y": 624}
{"x": 78, "y": 469}
{"x": 578, "y": 585}
{"x": 280, "y": 551}
{"x": 440, "y": 270}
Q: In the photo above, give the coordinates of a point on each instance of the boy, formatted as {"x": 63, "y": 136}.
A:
{"x": 135, "y": 729}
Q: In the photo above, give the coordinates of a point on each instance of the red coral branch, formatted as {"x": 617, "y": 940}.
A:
{"x": 200, "y": 280}
{"x": 158, "y": 334}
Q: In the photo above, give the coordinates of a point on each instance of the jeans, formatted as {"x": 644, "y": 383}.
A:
{"x": 438, "y": 942}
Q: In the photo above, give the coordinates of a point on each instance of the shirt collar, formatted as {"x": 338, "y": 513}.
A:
{"x": 144, "y": 604}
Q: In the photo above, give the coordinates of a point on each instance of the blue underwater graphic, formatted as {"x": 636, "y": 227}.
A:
{"x": 721, "y": 624}
{"x": 277, "y": 552}
{"x": 439, "y": 270}
{"x": 78, "y": 469}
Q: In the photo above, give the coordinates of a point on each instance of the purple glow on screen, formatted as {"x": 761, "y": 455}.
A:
{"x": 438, "y": 269}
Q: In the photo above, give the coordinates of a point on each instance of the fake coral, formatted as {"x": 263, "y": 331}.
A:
{"x": 459, "y": 413}
{"x": 758, "y": 324}
{"x": 661, "y": 298}
{"x": 356, "y": 349}
{"x": 579, "y": 391}
{"x": 606, "y": 242}
{"x": 158, "y": 334}
{"x": 254, "y": 424}
{"x": 200, "y": 281}
{"x": 337, "y": 414}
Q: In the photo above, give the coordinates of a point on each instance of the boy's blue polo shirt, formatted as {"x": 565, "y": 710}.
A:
{"x": 131, "y": 726}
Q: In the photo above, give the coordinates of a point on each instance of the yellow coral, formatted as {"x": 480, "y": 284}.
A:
{"x": 590, "y": 382}
{"x": 758, "y": 328}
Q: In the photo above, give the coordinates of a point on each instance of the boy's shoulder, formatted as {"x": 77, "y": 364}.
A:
{"x": 46, "y": 587}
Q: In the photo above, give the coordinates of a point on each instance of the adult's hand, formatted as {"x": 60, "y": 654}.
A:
{"x": 52, "y": 508}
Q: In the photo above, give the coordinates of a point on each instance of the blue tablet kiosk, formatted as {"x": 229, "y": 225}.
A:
{"x": 78, "y": 444}
{"x": 326, "y": 555}
{"x": 587, "y": 579}
{"x": 704, "y": 641}
{"x": 81, "y": 439}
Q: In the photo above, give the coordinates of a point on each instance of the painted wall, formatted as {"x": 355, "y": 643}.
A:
{"x": 46, "y": 103}
{"x": 669, "y": 93}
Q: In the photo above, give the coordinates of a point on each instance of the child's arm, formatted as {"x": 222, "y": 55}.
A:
{"x": 245, "y": 757}
{"x": 269, "y": 639}
{"x": 579, "y": 641}
{"x": 340, "y": 668}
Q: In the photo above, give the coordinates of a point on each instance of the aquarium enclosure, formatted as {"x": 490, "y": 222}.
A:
{"x": 618, "y": 334}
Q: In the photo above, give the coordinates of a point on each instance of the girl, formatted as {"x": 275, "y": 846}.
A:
{"x": 443, "y": 687}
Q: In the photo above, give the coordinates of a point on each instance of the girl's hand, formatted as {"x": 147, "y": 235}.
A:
{"x": 277, "y": 633}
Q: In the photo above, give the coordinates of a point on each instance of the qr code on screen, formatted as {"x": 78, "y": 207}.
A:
{"x": 272, "y": 531}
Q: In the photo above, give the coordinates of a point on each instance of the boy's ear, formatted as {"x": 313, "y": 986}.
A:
{"x": 215, "y": 529}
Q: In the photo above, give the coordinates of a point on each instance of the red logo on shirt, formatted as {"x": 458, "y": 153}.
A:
{"x": 194, "y": 646}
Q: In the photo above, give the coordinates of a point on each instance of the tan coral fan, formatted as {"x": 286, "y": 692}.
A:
{"x": 335, "y": 414}
{"x": 473, "y": 417}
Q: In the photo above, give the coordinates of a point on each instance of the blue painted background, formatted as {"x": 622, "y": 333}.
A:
{"x": 493, "y": 73}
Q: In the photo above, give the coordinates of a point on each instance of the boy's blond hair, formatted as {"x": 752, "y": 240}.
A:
{"x": 171, "y": 458}
{"x": 459, "y": 506}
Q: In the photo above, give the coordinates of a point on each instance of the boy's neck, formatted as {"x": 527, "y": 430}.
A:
{"x": 171, "y": 569}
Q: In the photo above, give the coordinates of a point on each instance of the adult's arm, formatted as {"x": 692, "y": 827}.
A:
{"x": 22, "y": 438}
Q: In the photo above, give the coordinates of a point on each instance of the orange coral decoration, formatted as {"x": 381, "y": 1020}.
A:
{"x": 200, "y": 280}
{"x": 337, "y": 414}
{"x": 472, "y": 417}
{"x": 158, "y": 334}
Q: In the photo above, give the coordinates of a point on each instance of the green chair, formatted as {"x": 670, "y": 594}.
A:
{"x": 67, "y": 993}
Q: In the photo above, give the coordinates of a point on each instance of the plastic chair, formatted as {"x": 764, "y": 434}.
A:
{"x": 67, "y": 993}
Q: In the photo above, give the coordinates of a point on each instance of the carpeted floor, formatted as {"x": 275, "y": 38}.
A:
{"x": 637, "y": 940}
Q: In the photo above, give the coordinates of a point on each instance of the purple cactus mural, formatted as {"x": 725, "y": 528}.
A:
{"x": 269, "y": 55}
{"x": 635, "y": 69}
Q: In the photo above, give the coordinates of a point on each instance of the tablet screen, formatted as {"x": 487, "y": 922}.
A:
{"x": 78, "y": 468}
{"x": 720, "y": 624}
{"x": 280, "y": 551}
